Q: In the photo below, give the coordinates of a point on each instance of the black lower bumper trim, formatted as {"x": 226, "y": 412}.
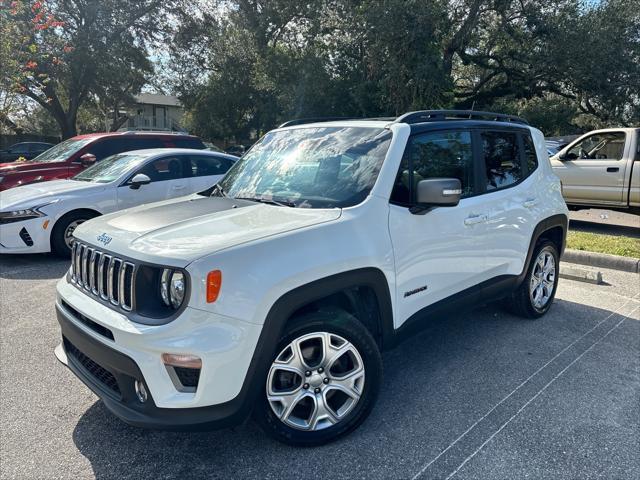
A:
{"x": 126, "y": 405}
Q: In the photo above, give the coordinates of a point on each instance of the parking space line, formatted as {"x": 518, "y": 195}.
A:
{"x": 558, "y": 375}
{"x": 527, "y": 380}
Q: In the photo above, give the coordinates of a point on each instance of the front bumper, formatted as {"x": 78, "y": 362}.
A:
{"x": 110, "y": 367}
{"x": 26, "y": 236}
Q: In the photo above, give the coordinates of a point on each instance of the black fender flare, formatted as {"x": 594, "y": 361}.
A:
{"x": 290, "y": 302}
{"x": 559, "y": 220}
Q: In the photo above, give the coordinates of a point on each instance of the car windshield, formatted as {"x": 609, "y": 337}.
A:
{"x": 62, "y": 151}
{"x": 111, "y": 168}
{"x": 310, "y": 167}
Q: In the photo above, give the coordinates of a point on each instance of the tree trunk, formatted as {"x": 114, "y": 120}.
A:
{"x": 118, "y": 122}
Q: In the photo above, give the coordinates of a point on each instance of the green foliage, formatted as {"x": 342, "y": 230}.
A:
{"x": 246, "y": 65}
{"x": 65, "y": 54}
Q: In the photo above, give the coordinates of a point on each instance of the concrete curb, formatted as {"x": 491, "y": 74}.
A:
{"x": 602, "y": 260}
{"x": 580, "y": 274}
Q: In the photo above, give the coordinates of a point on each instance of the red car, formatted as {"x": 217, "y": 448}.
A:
{"x": 75, "y": 154}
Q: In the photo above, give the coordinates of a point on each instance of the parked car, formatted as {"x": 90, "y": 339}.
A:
{"x": 601, "y": 169}
{"x": 26, "y": 150}
{"x": 41, "y": 217}
{"x": 237, "y": 150}
{"x": 326, "y": 244}
{"x": 75, "y": 154}
{"x": 552, "y": 147}
{"x": 213, "y": 148}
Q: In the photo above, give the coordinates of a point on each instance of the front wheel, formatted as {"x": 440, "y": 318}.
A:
{"x": 534, "y": 296}
{"x": 62, "y": 233}
{"x": 323, "y": 380}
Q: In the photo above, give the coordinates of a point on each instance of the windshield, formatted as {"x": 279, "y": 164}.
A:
{"x": 310, "y": 167}
{"x": 110, "y": 169}
{"x": 62, "y": 151}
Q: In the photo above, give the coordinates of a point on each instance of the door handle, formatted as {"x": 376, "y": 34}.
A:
{"x": 475, "y": 219}
{"x": 530, "y": 203}
{"x": 613, "y": 169}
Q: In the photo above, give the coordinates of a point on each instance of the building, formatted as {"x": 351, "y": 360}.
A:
{"x": 155, "y": 112}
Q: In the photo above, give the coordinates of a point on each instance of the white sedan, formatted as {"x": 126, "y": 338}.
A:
{"x": 41, "y": 217}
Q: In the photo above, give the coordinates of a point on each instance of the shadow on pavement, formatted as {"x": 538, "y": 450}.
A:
{"x": 40, "y": 266}
{"x": 604, "y": 228}
{"x": 436, "y": 385}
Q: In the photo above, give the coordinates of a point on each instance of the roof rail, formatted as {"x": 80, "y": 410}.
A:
{"x": 302, "y": 121}
{"x": 156, "y": 132}
{"x": 442, "y": 115}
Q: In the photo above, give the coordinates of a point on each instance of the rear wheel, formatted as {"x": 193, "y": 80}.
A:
{"x": 323, "y": 381}
{"x": 536, "y": 293}
{"x": 62, "y": 233}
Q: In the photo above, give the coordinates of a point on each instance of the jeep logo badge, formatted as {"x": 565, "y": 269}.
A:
{"x": 104, "y": 239}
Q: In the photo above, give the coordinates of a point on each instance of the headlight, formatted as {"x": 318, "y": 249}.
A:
{"x": 24, "y": 214}
{"x": 172, "y": 288}
{"x": 18, "y": 215}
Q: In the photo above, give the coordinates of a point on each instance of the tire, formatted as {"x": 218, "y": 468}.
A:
{"x": 522, "y": 301}
{"x": 307, "y": 422}
{"x": 64, "y": 227}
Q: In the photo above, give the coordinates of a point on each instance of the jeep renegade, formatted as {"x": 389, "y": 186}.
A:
{"x": 275, "y": 291}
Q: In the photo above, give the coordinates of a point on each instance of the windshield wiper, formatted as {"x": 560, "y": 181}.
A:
{"x": 280, "y": 203}
{"x": 218, "y": 191}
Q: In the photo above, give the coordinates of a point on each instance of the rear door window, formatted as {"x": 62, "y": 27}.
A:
{"x": 502, "y": 159}
{"x": 530, "y": 153}
{"x": 188, "y": 143}
{"x": 203, "y": 166}
{"x": 141, "y": 143}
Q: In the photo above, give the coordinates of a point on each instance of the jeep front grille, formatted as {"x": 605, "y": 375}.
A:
{"x": 103, "y": 275}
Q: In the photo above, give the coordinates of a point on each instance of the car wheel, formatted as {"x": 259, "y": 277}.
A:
{"x": 62, "y": 232}
{"x": 534, "y": 296}
{"x": 322, "y": 382}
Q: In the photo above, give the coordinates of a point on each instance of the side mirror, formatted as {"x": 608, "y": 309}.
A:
{"x": 437, "y": 192}
{"x": 87, "y": 159}
{"x": 138, "y": 180}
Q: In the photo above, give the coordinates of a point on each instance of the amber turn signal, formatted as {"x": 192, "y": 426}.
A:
{"x": 181, "y": 360}
{"x": 214, "y": 282}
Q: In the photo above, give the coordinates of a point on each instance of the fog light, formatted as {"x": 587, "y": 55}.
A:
{"x": 141, "y": 391}
{"x": 181, "y": 360}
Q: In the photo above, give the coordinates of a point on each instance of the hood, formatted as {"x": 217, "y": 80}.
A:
{"x": 17, "y": 167}
{"x": 34, "y": 194}
{"x": 179, "y": 231}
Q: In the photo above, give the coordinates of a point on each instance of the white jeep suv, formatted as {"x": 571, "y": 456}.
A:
{"x": 275, "y": 291}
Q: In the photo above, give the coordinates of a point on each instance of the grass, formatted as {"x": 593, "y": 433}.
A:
{"x": 614, "y": 245}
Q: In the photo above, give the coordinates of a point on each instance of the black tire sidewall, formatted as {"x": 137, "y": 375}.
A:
{"x": 348, "y": 327}
{"x": 58, "y": 245}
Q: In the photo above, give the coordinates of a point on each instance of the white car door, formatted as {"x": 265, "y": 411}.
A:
{"x": 442, "y": 251}
{"x": 510, "y": 199}
{"x": 207, "y": 170}
{"x": 170, "y": 178}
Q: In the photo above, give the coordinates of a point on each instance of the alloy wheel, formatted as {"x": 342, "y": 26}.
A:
{"x": 543, "y": 278}
{"x": 68, "y": 232}
{"x": 315, "y": 381}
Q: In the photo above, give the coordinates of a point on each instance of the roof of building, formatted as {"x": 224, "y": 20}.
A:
{"x": 158, "y": 99}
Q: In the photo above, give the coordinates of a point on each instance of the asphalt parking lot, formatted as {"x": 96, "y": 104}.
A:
{"x": 479, "y": 395}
